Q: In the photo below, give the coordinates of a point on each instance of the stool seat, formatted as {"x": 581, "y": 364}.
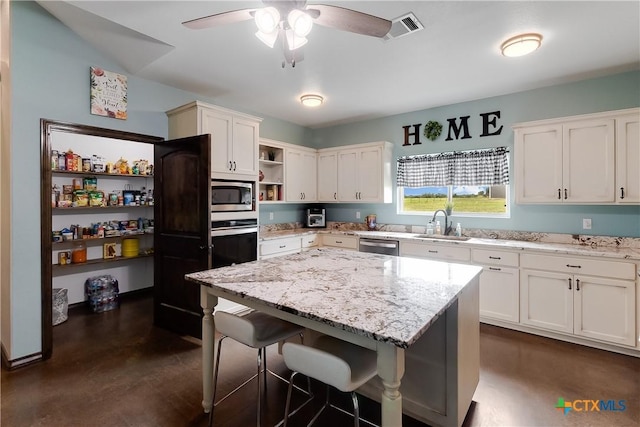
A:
{"x": 334, "y": 362}
{"x": 255, "y": 329}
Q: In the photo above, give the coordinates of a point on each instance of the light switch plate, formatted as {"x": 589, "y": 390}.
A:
{"x": 586, "y": 223}
{"x": 357, "y": 215}
{"x": 270, "y": 215}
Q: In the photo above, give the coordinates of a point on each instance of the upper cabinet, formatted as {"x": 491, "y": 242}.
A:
{"x": 364, "y": 173}
{"x": 628, "y": 159}
{"x": 234, "y": 137}
{"x": 301, "y": 174}
{"x": 573, "y": 160}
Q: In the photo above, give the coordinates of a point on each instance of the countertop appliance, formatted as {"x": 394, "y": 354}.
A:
{"x": 379, "y": 246}
{"x": 231, "y": 196}
{"x": 316, "y": 218}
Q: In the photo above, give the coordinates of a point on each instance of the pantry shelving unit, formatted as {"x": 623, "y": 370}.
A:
{"x": 131, "y": 271}
{"x": 271, "y": 161}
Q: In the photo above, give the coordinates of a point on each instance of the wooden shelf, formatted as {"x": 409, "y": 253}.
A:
{"x": 101, "y": 174}
{"x": 269, "y": 183}
{"x": 98, "y": 240}
{"x": 57, "y": 268}
{"x": 95, "y": 208}
{"x": 270, "y": 162}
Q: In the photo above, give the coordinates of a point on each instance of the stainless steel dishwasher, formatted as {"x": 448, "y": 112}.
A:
{"x": 379, "y": 246}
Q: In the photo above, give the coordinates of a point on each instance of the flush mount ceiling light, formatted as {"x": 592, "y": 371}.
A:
{"x": 520, "y": 45}
{"x": 311, "y": 100}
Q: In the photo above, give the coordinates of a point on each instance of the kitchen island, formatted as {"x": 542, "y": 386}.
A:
{"x": 416, "y": 314}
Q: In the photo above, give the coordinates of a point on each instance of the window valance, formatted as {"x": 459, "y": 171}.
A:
{"x": 479, "y": 167}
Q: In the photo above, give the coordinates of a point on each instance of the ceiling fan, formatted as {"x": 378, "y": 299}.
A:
{"x": 290, "y": 22}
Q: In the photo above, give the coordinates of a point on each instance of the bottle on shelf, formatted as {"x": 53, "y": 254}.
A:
{"x": 438, "y": 228}
{"x": 430, "y": 228}
{"x": 458, "y": 230}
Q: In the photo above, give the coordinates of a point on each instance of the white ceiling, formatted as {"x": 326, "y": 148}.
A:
{"x": 454, "y": 59}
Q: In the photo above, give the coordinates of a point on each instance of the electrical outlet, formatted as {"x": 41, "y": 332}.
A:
{"x": 270, "y": 215}
{"x": 357, "y": 215}
{"x": 586, "y": 223}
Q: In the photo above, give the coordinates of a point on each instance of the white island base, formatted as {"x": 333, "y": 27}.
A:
{"x": 442, "y": 368}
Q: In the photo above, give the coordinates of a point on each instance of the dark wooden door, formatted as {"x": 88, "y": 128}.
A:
{"x": 182, "y": 233}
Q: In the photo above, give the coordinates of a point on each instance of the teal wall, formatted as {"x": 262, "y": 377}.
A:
{"x": 50, "y": 79}
{"x": 602, "y": 94}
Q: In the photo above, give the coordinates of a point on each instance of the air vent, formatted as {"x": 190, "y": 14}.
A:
{"x": 403, "y": 25}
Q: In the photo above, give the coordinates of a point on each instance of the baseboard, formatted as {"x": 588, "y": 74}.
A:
{"x": 125, "y": 296}
{"x": 10, "y": 365}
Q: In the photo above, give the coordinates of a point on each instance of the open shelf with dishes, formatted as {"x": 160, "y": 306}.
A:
{"x": 271, "y": 175}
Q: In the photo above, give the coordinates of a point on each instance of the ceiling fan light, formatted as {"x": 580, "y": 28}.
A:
{"x": 311, "y": 100}
{"x": 300, "y": 22}
{"x": 293, "y": 41}
{"x": 268, "y": 38}
{"x": 520, "y": 45}
{"x": 267, "y": 19}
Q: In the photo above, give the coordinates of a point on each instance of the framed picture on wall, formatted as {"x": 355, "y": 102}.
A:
{"x": 108, "y": 94}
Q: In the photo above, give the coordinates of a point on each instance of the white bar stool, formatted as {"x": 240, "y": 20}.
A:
{"x": 256, "y": 330}
{"x": 334, "y": 362}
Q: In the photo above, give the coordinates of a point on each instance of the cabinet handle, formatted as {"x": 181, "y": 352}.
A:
{"x": 234, "y": 165}
{"x": 432, "y": 252}
{"x": 559, "y": 196}
{"x": 622, "y": 192}
{"x": 338, "y": 241}
{"x": 495, "y": 269}
{"x": 565, "y": 194}
{"x": 304, "y": 196}
{"x": 577, "y": 284}
{"x": 494, "y": 257}
{"x": 282, "y": 247}
{"x": 574, "y": 266}
{"x": 230, "y": 165}
{"x": 203, "y": 248}
{"x": 569, "y": 284}
{"x": 335, "y": 196}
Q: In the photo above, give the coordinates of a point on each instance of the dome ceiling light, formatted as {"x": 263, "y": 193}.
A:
{"x": 520, "y": 45}
{"x": 311, "y": 100}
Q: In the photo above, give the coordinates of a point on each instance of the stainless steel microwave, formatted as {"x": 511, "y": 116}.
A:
{"x": 230, "y": 196}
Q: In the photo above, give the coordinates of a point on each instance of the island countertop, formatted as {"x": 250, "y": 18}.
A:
{"x": 385, "y": 298}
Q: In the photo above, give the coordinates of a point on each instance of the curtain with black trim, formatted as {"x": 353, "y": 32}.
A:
{"x": 480, "y": 167}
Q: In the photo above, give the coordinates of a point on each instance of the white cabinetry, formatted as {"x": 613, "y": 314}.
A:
{"x": 364, "y": 173}
{"x": 270, "y": 188}
{"x": 327, "y": 176}
{"x": 499, "y": 284}
{"x": 310, "y": 241}
{"x": 591, "y": 298}
{"x": 280, "y": 247}
{"x": 340, "y": 241}
{"x": 300, "y": 174}
{"x": 589, "y": 159}
{"x": 628, "y": 158}
{"x": 425, "y": 249}
{"x": 234, "y": 137}
{"x": 569, "y": 162}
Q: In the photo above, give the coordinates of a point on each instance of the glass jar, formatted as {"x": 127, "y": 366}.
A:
{"x": 79, "y": 253}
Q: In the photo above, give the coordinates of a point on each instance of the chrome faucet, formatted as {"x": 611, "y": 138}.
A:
{"x": 447, "y": 227}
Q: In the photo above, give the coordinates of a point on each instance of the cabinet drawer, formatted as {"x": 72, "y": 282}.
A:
{"x": 482, "y": 256}
{"x": 310, "y": 241}
{"x": 345, "y": 242}
{"x": 588, "y": 266}
{"x": 441, "y": 252}
{"x": 271, "y": 247}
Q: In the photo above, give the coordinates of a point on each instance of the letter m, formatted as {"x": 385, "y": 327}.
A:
{"x": 464, "y": 128}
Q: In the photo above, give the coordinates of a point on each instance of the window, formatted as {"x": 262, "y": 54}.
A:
{"x": 476, "y": 182}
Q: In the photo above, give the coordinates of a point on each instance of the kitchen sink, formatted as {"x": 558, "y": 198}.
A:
{"x": 442, "y": 237}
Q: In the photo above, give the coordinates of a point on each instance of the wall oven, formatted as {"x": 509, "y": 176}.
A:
{"x": 231, "y": 196}
{"x": 234, "y": 241}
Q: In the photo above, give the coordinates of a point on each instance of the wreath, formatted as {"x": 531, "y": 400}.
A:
{"x": 432, "y": 130}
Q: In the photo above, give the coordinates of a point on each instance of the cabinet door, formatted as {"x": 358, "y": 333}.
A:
{"x": 604, "y": 309}
{"x": 370, "y": 186}
{"x": 538, "y": 164}
{"x": 244, "y": 155}
{"x": 589, "y": 161}
{"x": 628, "y": 159}
{"x": 348, "y": 175}
{"x": 500, "y": 293}
{"x": 328, "y": 176}
{"x": 309, "y": 176}
{"x": 294, "y": 172}
{"x": 219, "y": 126}
{"x": 546, "y": 300}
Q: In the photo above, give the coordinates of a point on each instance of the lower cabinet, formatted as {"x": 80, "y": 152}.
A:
{"x": 499, "y": 284}
{"x": 340, "y": 241}
{"x": 280, "y": 247}
{"x": 435, "y": 251}
{"x": 309, "y": 242}
{"x": 600, "y": 308}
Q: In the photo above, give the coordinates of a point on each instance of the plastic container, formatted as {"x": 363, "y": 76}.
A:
{"x": 130, "y": 247}
{"x": 458, "y": 230}
{"x": 430, "y": 228}
{"x": 438, "y": 228}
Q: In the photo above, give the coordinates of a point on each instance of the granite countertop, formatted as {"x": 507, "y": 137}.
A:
{"x": 613, "y": 252}
{"x": 382, "y": 297}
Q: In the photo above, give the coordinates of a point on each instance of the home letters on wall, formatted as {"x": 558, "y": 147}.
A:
{"x": 458, "y": 128}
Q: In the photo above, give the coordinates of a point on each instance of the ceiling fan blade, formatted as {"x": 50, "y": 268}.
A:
{"x": 351, "y": 20}
{"x": 220, "y": 19}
